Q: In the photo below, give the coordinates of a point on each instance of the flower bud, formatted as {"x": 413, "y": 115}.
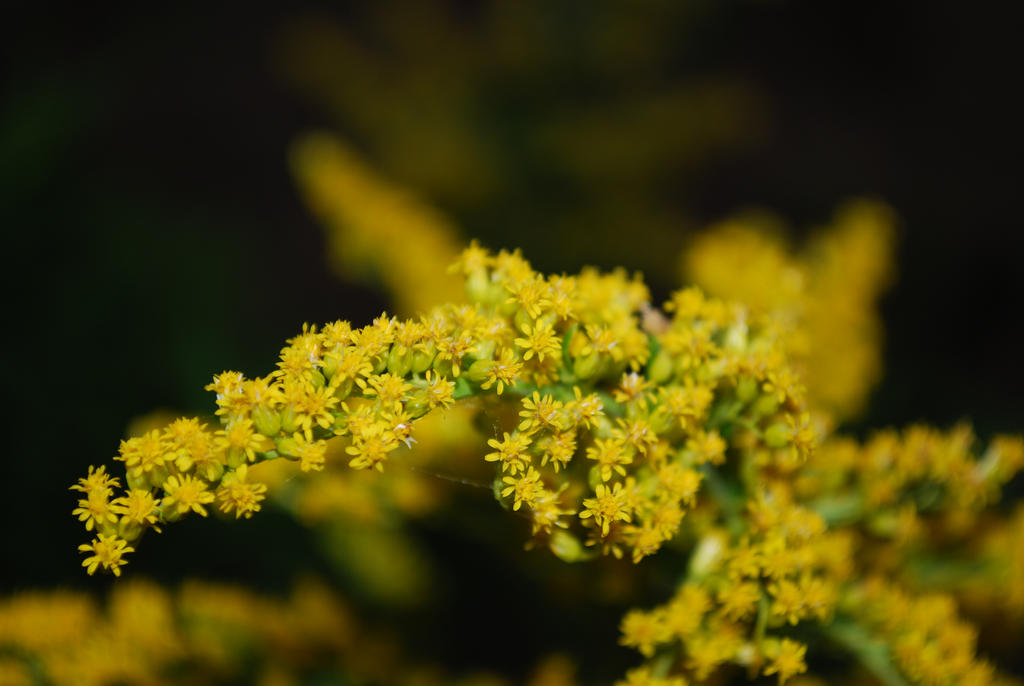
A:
{"x": 421, "y": 360}
{"x": 399, "y": 360}
{"x": 587, "y": 366}
{"x": 266, "y": 421}
{"x": 567, "y": 547}
{"x": 480, "y": 370}
{"x": 660, "y": 369}
{"x": 778, "y": 435}
{"x": 766, "y": 404}
{"x": 289, "y": 422}
{"x": 478, "y": 287}
{"x": 746, "y": 389}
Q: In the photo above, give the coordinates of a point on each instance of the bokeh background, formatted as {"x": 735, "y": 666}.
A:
{"x": 155, "y": 233}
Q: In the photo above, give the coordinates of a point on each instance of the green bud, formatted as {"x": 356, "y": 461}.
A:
{"x": 266, "y": 421}
{"x": 660, "y": 369}
{"x": 567, "y": 547}
{"x": 343, "y": 390}
{"x": 286, "y": 446}
{"x": 746, "y": 389}
{"x": 477, "y": 287}
{"x": 129, "y": 531}
{"x": 485, "y": 350}
{"x": 884, "y": 523}
{"x": 421, "y": 360}
{"x": 136, "y": 481}
{"x": 399, "y": 360}
{"x": 156, "y": 477}
{"x": 522, "y": 320}
{"x": 317, "y": 379}
{"x": 778, "y": 435}
{"x": 587, "y": 366}
{"x": 766, "y": 404}
{"x": 480, "y": 370}
{"x": 444, "y": 367}
{"x": 235, "y": 457}
{"x": 418, "y": 405}
{"x": 289, "y": 422}
{"x": 212, "y": 471}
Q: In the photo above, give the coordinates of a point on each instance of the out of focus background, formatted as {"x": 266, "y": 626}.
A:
{"x": 172, "y": 180}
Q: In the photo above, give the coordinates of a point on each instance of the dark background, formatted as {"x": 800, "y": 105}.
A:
{"x": 154, "y": 235}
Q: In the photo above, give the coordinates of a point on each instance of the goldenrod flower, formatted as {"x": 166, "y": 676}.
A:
{"x": 186, "y": 493}
{"x": 611, "y": 455}
{"x": 107, "y": 551}
{"x": 510, "y": 452}
{"x": 609, "y": 506}
{"x": 237, "y": 494}
{"x": 788, "y": 660}
{"x": 644, "y": 631}
{"x": 525, "y": 488}
{"x": 539, "y": 339}
{"x": 138, "y": 507}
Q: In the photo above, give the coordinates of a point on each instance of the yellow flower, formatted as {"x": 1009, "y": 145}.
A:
{"x": 540, "y": 340}
{"x": 97, "y": 480}
{"x": 186, "y": 493}
{"x": 540, "y": 412}
{"x": 142, "y": 454}
{"x": 108, "y": 551}
{"x": 510, "y": 452}
{"x": 439, "y": 390}
{"x": 610, "y": 455}
{"x": 504, "y": 371}
{"x": 239, "y": 439}
{"x": 608, "y": 507}
{"x": 138, "y": 507}
{"x": 739, "y": 600}
{"x": 788, "y": 601}
{"x": 644, "y": 631}
{"x": 371, "y": 445}
{"x": 559, "y": 449}
{"x": 788, "y": 660}
{"x": 526, "y": 487}
{"x": 95, "y": 510}
{"x": 311, "y": 454}
{"x": 236, "y": 493}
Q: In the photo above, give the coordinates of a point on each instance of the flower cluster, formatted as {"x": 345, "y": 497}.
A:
{"x": 206, "y": 633}
{"x": 822, "y": 298}
{"x": 774, "y": 567}
{"x": 617, "y": 419}
{"x": 618, "y": 429}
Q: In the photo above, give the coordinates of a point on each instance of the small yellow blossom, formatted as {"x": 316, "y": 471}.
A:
{"x": 95, "y": 510}
{"x": 504, "y": 371}
{"x": 510, "y": 452}
{"x": 788, "y": 660}
{"x": 138, "y": 507}
{"x": 439, "y": 390}
{"x": 237, "y": 494}
{"x": 644, "y": 631}
{"x": 611, "y": 456}
{"x": 539, "y": 339}
{"x": 108, "y": 551}
{"x": 540, "y": 412}
{"x": 608, "y": 507}
{"x": 186, "y": 493}
{"x": 311, "y": 454}
{"x": 143, "y": 454}
{"x": 526, "y": 488}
